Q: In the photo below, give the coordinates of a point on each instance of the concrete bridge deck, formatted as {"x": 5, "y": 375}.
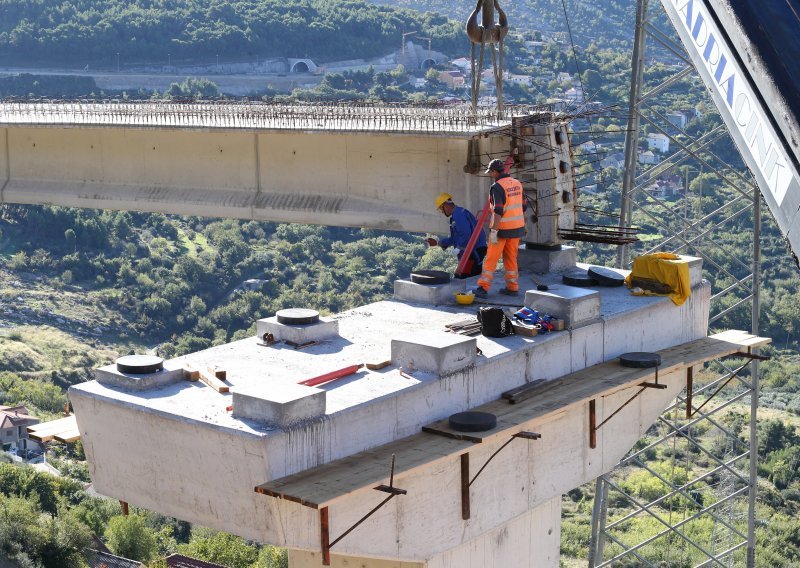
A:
{"x": 344, "y": 165}
{"x": 443, "y": 121}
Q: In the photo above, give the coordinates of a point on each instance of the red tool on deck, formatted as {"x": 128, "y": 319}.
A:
{"x": 332, "y": 376}
{"x": 482, "y": 218}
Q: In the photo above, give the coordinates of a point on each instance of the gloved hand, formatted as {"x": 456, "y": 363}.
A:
{"x": 431, "y": 242}
{"x": 493, "y": 236}
{"x": 453, "y": 251}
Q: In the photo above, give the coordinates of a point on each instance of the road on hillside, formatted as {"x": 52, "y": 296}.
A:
{"x": 238, "y": 84}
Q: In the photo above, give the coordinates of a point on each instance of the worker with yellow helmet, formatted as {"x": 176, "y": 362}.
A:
{"x": 462, "y": 224}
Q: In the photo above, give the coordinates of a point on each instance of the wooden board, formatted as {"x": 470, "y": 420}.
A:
{"x": 68, "y": 436}
{"x": 321, "y": 486}
{"x": 47, "y": 431}
{"x": 597, "y": 381}
{"x": 205, "y": 375}
{"x": 742, "y": 338}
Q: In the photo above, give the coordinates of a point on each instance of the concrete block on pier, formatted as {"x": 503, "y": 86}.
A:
{"x": 436, "y": 294}
{"x": 434, "y": 352}
{"x": 281, "y": 405}
{"x": 545, "y": 261}
{"x": 695, "y": 269}
{"x": 111, "y": 377}
{"x": 325, "y": 328}
{"x": 576, "y": 306}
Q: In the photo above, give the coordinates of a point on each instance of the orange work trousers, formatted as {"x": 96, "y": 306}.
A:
{"x": 507, "y": 248}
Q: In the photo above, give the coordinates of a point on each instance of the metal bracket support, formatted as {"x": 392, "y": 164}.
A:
{"x": 690, "y": 412}
{"x": 324, "y": 518}
{"x": 594, "y": 427}
{"x": 466, "y": 482}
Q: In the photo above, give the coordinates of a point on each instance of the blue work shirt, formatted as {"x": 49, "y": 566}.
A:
{"x": 462, "y": 223}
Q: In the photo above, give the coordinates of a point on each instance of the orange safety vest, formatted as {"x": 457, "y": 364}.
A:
{"x": 513, "y": 215}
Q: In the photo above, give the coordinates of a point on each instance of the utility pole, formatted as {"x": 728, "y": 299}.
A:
{"x": 632, "y": 134}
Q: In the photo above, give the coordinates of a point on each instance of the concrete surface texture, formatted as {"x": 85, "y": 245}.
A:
{"x": 359, "y": 167}
{"x": 178, "y": 450}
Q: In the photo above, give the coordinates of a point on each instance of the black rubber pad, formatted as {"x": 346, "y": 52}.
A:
{"x": 606, "y": 276}
{"x": 297, "y": 316}
{"x": 640, "y": 360}
{"x": 430, "y": 277}
{"x": 139, "y": 364}
{"x": 473, "y": 421}
{"x": 578, "y": 277}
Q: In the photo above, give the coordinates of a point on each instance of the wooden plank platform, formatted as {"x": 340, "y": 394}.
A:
{"x": 599, "y": 380}
{"x": 48, "y": 431}
{"x": 68, "y": 436}
{"x": 742, "y": 338}
{"x": 321, "y": 486}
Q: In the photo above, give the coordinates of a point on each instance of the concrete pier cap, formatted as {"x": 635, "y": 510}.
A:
{"x": 199, "y": 454}
{"x": 325, "y": 328}
{"x": 434, "y": 352}
{"x": 282, "y": 405}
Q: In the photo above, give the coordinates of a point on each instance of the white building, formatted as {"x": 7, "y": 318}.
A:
{"x": 658, "y": 141}
{"x": 14, "y": 422}
{"x": 677, "y": 119}
{"x": 523, "y": 80}
{"x": 462, "y": 63}
{"x": 575, "y": 94}
{"x": 648, "y": 157}
{"x": 616, "y": 160}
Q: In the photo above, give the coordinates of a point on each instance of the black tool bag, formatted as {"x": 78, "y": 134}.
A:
{"x": 494, "y": 322}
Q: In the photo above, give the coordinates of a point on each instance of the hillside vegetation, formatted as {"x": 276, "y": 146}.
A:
{"x": 610, "y": 21}
{"x": 76, "y": 33}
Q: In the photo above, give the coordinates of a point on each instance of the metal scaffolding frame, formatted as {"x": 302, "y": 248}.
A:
{"x": 707, "y": 483}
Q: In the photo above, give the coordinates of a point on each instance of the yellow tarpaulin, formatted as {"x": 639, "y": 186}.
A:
{"x": 666, "y": 268}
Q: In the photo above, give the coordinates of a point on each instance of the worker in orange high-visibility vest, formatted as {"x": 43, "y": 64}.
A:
{"x": 507, "y": 226}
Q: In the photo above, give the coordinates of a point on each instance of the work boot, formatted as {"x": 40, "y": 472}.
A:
{"x": 507, "y": 292}
{"x": 480, "y": 292}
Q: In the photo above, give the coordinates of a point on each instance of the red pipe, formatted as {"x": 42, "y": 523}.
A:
{"x": 332, "y": 376}
{"x": 462, "y": 264}
{"x": 484, "y": 216}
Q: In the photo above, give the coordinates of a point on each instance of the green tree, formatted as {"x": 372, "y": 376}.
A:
{"x": 272, "y": 557}
{"x": 129, "y": 536}
{"x": 69, "y": 236}
{"x": 774, "y": 435}
{"x": 221, "y": 548}
{"x": 193, "y": 89}
{"x": 19, "y": 261}
{"x": 96, "y": 512}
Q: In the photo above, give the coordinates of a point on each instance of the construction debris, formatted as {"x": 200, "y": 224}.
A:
{"x": 208, "y": 377}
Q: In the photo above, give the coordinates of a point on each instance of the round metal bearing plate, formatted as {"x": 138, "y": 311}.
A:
{"x": 472, "y": 421}
{"x": 139, "y": 364}
{"x": 640, "y": 360}
{"x": 606, "y": 276}
{"x": 578, "y": 277}
{"x": 297, "y": 316}
{"x": 430, "y": 277}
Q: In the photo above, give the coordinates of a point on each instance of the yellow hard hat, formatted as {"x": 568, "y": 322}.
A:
{"x": 442, "y": 199}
